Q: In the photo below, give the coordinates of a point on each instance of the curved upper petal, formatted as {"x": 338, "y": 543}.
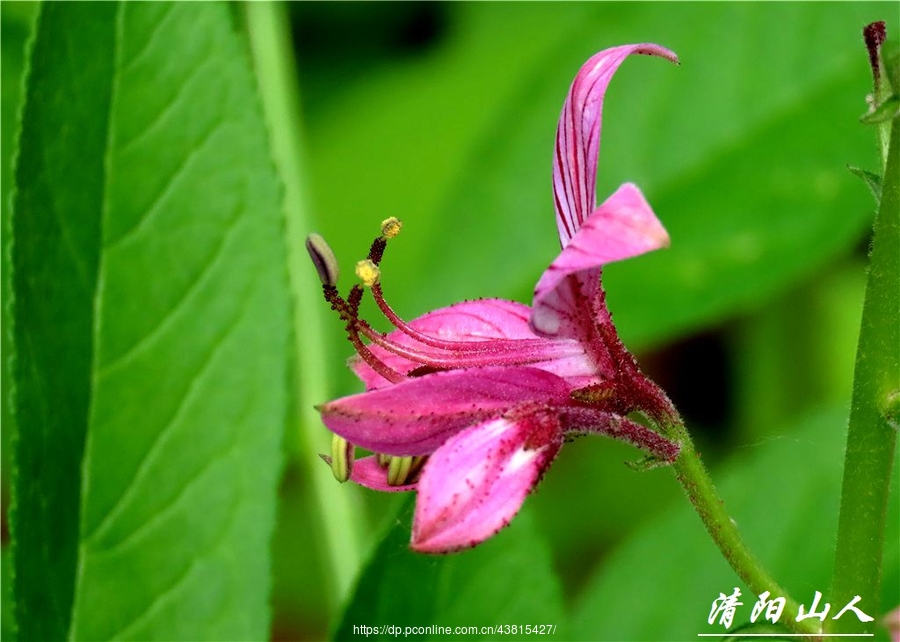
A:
{"x": 474, "y": 484}
{"x": 483, "y": 320}
{"x": 578, "y": 136}
{"x": 416, "y": 416}
{"x": 623, "y": 227}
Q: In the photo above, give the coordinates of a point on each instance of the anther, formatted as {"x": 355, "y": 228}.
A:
{"x": 398, "y": 470}
{"x": 323, "y": 258}
{"x": 390, "y": 227}
{"x": 342, "y": 452}
{"x": 367, "y": 272}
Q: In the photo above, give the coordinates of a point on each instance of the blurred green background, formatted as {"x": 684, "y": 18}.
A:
{"x": 444, "y": 114}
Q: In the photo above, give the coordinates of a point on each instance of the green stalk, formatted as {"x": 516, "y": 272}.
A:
{"x": 693, "y": 477}
{"x": 872, "y": 431}
{"x": 267, "y": 25}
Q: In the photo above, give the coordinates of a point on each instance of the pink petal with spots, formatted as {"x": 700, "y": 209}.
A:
{"x": 369, "y": 473}
{"x": 416, "y": 416}
{"x": 623, "y": 227}
{"x": 578, "y": 136}
{"x": 473, "y": 485}
{"x": 502, "y": 329}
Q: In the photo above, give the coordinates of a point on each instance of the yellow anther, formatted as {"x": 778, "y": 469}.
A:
{"x": 398, "y": 470}
{"x": 390, "y": 227}
{"x": 341, "y": 458}
{"x": 367, "y": 272}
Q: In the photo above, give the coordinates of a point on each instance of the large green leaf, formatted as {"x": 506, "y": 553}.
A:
{"x": 55, "y": 258}
{"x": 507, "y": 580}
{"x": 16, "y": 21}
{"x": 784, "y": 495}
{"x": 151, "y": 325}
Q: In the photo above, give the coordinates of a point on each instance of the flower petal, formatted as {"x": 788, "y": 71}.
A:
{"x": 623, "y": 227}
{"x": 578, "y": 136}
{"x": 416, "y": 416}
{"x": 473, "y": 485}
{"x": 369, "y": 473}
{"x": 481, "y": 321}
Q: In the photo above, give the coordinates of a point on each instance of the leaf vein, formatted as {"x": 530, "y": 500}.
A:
{"x": 159, "y": 119}
{"x": 162, "y": 436}
{"x": 181, "y": 303}
{"x": 151, "y": 36}
{"x": 177, "y": 175}
{"x": 160, "y": 600}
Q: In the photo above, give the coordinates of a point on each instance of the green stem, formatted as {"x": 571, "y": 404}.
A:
{"x": 274, "y": 61}
{"x": 872, "y": 431}
{"x": 692, "y": 475}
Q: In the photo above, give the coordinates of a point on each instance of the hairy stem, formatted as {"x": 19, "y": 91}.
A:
{"x": 694, "y": 478}
{"x": 872, "y": 430}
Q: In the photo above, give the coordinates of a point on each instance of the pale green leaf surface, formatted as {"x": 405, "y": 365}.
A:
{"x": 183, "y": 326}
{"x": 784, "y": 494}
{"x": 475, "y": 588}
{"x": 206, "y": 337}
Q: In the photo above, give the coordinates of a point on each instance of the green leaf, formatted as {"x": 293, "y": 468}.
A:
{"x": 151, "y": 325}
{"x": 16, "y": 23}
{"x": 890, "y": 57}
{"x": 885, "y": 111}
{"x": 507, "y": 580}
{"x": 871, "y": 179}
{"x": 55, "y": 258}
{"x": 786, "y": 512}
{"x": 871, "y": 434}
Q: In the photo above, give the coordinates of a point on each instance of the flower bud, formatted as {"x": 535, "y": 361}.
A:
{"x": 323, "y": 258}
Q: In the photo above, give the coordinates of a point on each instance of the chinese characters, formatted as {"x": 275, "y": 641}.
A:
{"x": 724, "y": 607}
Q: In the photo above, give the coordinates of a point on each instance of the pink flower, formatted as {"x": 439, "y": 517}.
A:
{"x": 470, "y": 404}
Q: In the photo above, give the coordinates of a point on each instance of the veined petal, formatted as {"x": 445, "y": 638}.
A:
{"x": 473, "y": 485}
{"x": 416, "y": 416}
{"x": 578, "y": 136}
{"x": 484, "y": 320}
{"x": 623, "y": 227}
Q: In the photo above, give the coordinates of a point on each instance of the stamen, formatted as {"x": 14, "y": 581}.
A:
{"x": 404, "y": 470}
{"x": 487, "y": 345}
{"x": 390, "y": 227}
{"x": 323, "y": 259}
{"x": 433, "y": 353}
{"x": 348, "y": 311}
{"x": 374, "y": 362}
{"x": 368, "y": 272}
{"x": 448, "y": 360}
{"x": 342, "y": 452}
{"x": 398, "y": 470}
